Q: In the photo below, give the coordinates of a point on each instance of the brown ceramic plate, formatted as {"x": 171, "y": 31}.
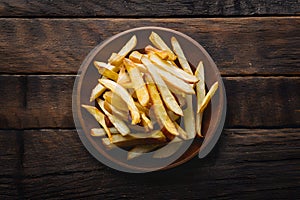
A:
{"x": 87, "y": 78}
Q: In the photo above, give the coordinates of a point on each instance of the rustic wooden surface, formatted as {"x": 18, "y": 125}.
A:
{"x": 240, "y": 46}
{"x": 256, "y": 45}
{"x": 146, "y": 8}
{"x": 252, "y": 101}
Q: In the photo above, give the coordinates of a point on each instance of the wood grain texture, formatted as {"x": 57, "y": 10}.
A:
{"x": 147, "y": 8}
{"x": 239, "y": 46}
{"x": 46, "y": 101}
{"x": 9, "y": 165}
{"x": 267, "y": 102}
{"x": 36, "y": 101}
{"x": 245, "y": 164}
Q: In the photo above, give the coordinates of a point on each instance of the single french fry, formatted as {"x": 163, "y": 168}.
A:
{"x": 97, "y": 91}
{"x": 99, "y": 116}
{"x": 159, "y": 43}
{"x": 199, "y": 117}
{"x": 107, "y": 66}
{"x": 140, "y": 150}
{"x": 189, "y": 118}
{"x": 180, "y": 55}
{"x": 138, "y": 82}
{"x": 136, "y": 57}
{"x": 162, "y": 54}
{"x": 118, "y": 123}
{"x": 175, "y": 82}
{"x": 162, "y": 87}
{"x": 159, "y": 108}
{"x": 174, "y": 70}
{"x": 200, "y": 91}
{"x": 122, "y": 92}
{"x": 100, "y": 132}
{"x": 208, "y": 96}
{"x": 117, "y": 58}
{"x": 129, "y": 46}
{"x": 157, "y": 137}
{"x": 105, "y": 71}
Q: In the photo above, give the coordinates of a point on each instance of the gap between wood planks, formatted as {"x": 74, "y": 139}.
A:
{"x": 152, "y": 17}
{"x": 21, "y": 179}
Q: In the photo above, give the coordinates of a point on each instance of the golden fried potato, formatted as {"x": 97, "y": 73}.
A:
{"x": 122, "y": 92}
{"x": 208, "y": 96}
{"x": 159, "y": 108}
{"x": 138, "y": 82}
{"x": 159, "y": 43}
{"x": 200, "y": 90}
{"x": 99, "y": 116}
{"x": 181, "y": 57}
{"x": 118, "y": 123}
{"x": 162, "y": 87}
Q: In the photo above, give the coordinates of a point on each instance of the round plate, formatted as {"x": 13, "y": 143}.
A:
{"x": 87, "y": 78}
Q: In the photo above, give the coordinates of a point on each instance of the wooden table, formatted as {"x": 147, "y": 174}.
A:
{"x": 256, "y": 45}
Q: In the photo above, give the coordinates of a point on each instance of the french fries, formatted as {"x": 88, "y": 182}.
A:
{"x": 100, "y": 132}
{"x": 177, "y": 72}
{"x": 115, "y": 111}
{"x": 141, "y": 98}
{"x": 138, "y": 82}
{"x": 97, "y": 91}
{"x": 189, "y": 119}
{"x": 117, "y": 58}
{"x": 136, "y": 57}
{"x": 175, "y": 82}
{"x": 162, "y": 54}
{"x": 208, "y": 96}
{"x": 181, "y": 57}
{"x": 162, "y": 87}
{"x": 157, "y": 137}
{"x": 118, "y": 123}
{"x": 159, "y": 43}
{"x": 123, "y": 78}
{"x": 99, "y": 116}
{"x": 122, "y": 92}
{"x": 159, "y": 108}
{"x": 106, "y": 71}
{"x": 200, "y": 88}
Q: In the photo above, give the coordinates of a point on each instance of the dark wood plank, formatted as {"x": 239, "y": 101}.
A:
{"x": 267, "y": 102}
{"x": 9, "y": 165}
{"x": 238, "y": 45}
{"x": 36, "y": 101}
{"x": 46, "y": 101}
{"x": 245, "y": 164}
{"x": 148, "y": 8}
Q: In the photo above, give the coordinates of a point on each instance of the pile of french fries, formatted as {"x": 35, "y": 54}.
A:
{"x": 141, "y": 96}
